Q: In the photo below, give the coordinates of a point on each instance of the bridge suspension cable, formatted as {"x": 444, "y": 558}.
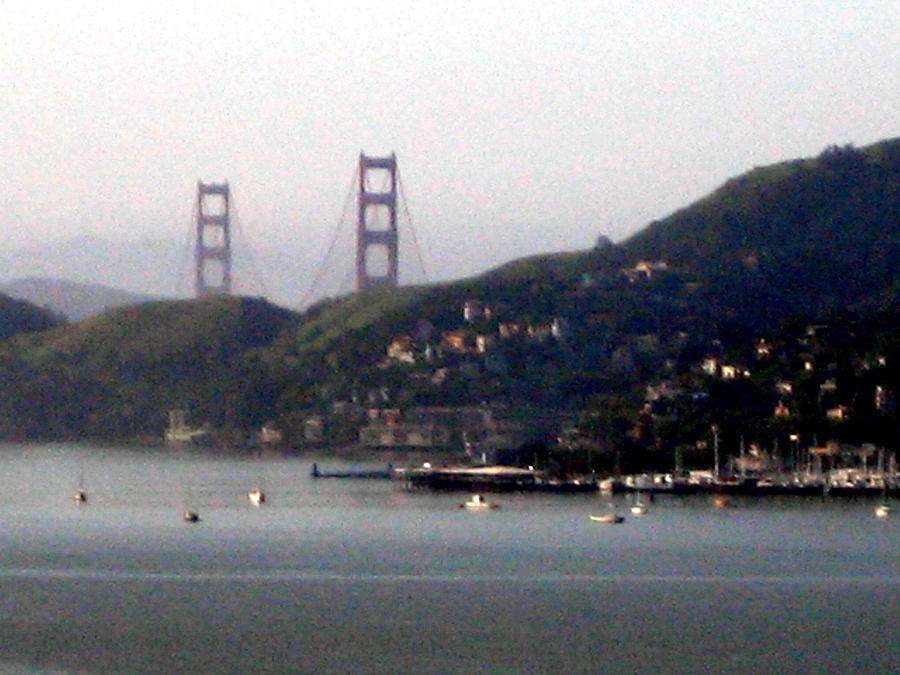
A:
{"x": 415, "y": 240}
{"x": 317, "y": 279}
{"x": 245, "y": 249}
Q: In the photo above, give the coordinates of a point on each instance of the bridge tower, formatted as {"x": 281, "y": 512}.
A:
{"x": 373, "y": 235}
{"x": 212, "y": 254}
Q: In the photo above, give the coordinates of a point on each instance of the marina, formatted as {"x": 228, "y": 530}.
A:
{"x": 833, "y": 484}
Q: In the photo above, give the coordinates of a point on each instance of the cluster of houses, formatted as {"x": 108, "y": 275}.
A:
{"x": 425, "y": 347}
{"x": 808, "y": 366}
{"x": 794, "y": 374}
{"x": 816, "y": 383}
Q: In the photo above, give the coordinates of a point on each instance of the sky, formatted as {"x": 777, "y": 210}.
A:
{"x": 519, "y": 127}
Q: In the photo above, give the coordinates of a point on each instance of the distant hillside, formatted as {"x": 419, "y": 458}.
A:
{"x": 164, "y": 267}
{"x": 118, "y": 373}
{"x": 19, "y": 316}
{"x": 813, "y": 237}
{"x": 73, "y": 300}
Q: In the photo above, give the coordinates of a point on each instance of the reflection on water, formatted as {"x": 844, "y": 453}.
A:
{"x": 339, "y": 575}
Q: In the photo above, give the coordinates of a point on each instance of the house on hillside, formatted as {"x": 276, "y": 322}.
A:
{"x": 645, "y": 270}
{"x": 475, "y": 311}
{"x": 509, "y": 330}
{"x": 269, "y": 434}
{"x": 664, "y": 390}
{"x": 435, "y": 427}
{"x": 764, "y": 348}
{"x": 401, "y": 350}
{"x": 483, "y": 343}
{"x": 781, "y": 410}
{"x": 538, "y": 333}
{"x": 560, "y": 328}
{"x": 839, "y": 413}
{"x": 710, "y": 366}
{"x": 460, "y": 341}
{"x": 829, "y": 386}
{"x": 733, "y": 372}
{"x": 784, "y": 387}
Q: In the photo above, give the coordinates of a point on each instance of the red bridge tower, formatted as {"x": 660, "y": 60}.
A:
{"x": 212, "y": 254}
{"x": 374, "y": 234}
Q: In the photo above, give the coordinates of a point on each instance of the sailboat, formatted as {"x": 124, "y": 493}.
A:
{"x": 80, "y": 496}
{"x": 883, "y": 510}
{"x": 478, "y": 503}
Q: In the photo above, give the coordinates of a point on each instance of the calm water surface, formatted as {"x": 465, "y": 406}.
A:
{"x": 362, "y": 576}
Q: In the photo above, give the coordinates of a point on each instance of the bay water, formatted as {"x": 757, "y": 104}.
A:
{"x": 364, "y": 576}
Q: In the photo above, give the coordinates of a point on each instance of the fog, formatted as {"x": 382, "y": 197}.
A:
{"x": 519, "y": 127}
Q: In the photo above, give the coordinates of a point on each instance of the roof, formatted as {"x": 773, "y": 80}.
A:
{"x": 487, "y": 471}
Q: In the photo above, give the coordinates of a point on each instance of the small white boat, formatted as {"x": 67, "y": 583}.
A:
{"x": 610, "y": 518}
{"x": 479, "y": 503}
{"x": 80, "y": 497}
{"x": 257, "y": 497}
{"x": 639, "y": 509}
{"x": 192, "y": 516}
{"x": 882, "y": 511}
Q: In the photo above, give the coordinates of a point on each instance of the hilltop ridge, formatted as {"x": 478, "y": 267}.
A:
{"x": 74, "y": 300}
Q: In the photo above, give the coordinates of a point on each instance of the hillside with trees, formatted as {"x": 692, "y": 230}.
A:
{"x": 116, "y": 375}
{"x": 20, "y": 316}
{"x": 583, "y": 333}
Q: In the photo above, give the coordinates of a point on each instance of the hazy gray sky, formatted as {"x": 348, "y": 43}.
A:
{"x": 520, "y": 127}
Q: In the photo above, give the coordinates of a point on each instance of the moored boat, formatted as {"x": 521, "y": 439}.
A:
{"x": 639, "y": 509}
{"x": 721, "y": 501}
{"x": 477, "y": 502}
{"x": 610, "y": 518}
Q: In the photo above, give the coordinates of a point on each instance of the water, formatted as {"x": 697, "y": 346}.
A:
{"x": 361, "y": 576}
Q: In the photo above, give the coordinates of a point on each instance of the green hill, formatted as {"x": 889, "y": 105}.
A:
{"x": 807, "y": 235}
{"x": 118, "y": 373}
{"x": 20, "y": 316}
{"x": 810, "y": 236}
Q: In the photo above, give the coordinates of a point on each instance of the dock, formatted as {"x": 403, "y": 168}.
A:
{"x": 495, "y": 479}
{"x": 386, "y": 473}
